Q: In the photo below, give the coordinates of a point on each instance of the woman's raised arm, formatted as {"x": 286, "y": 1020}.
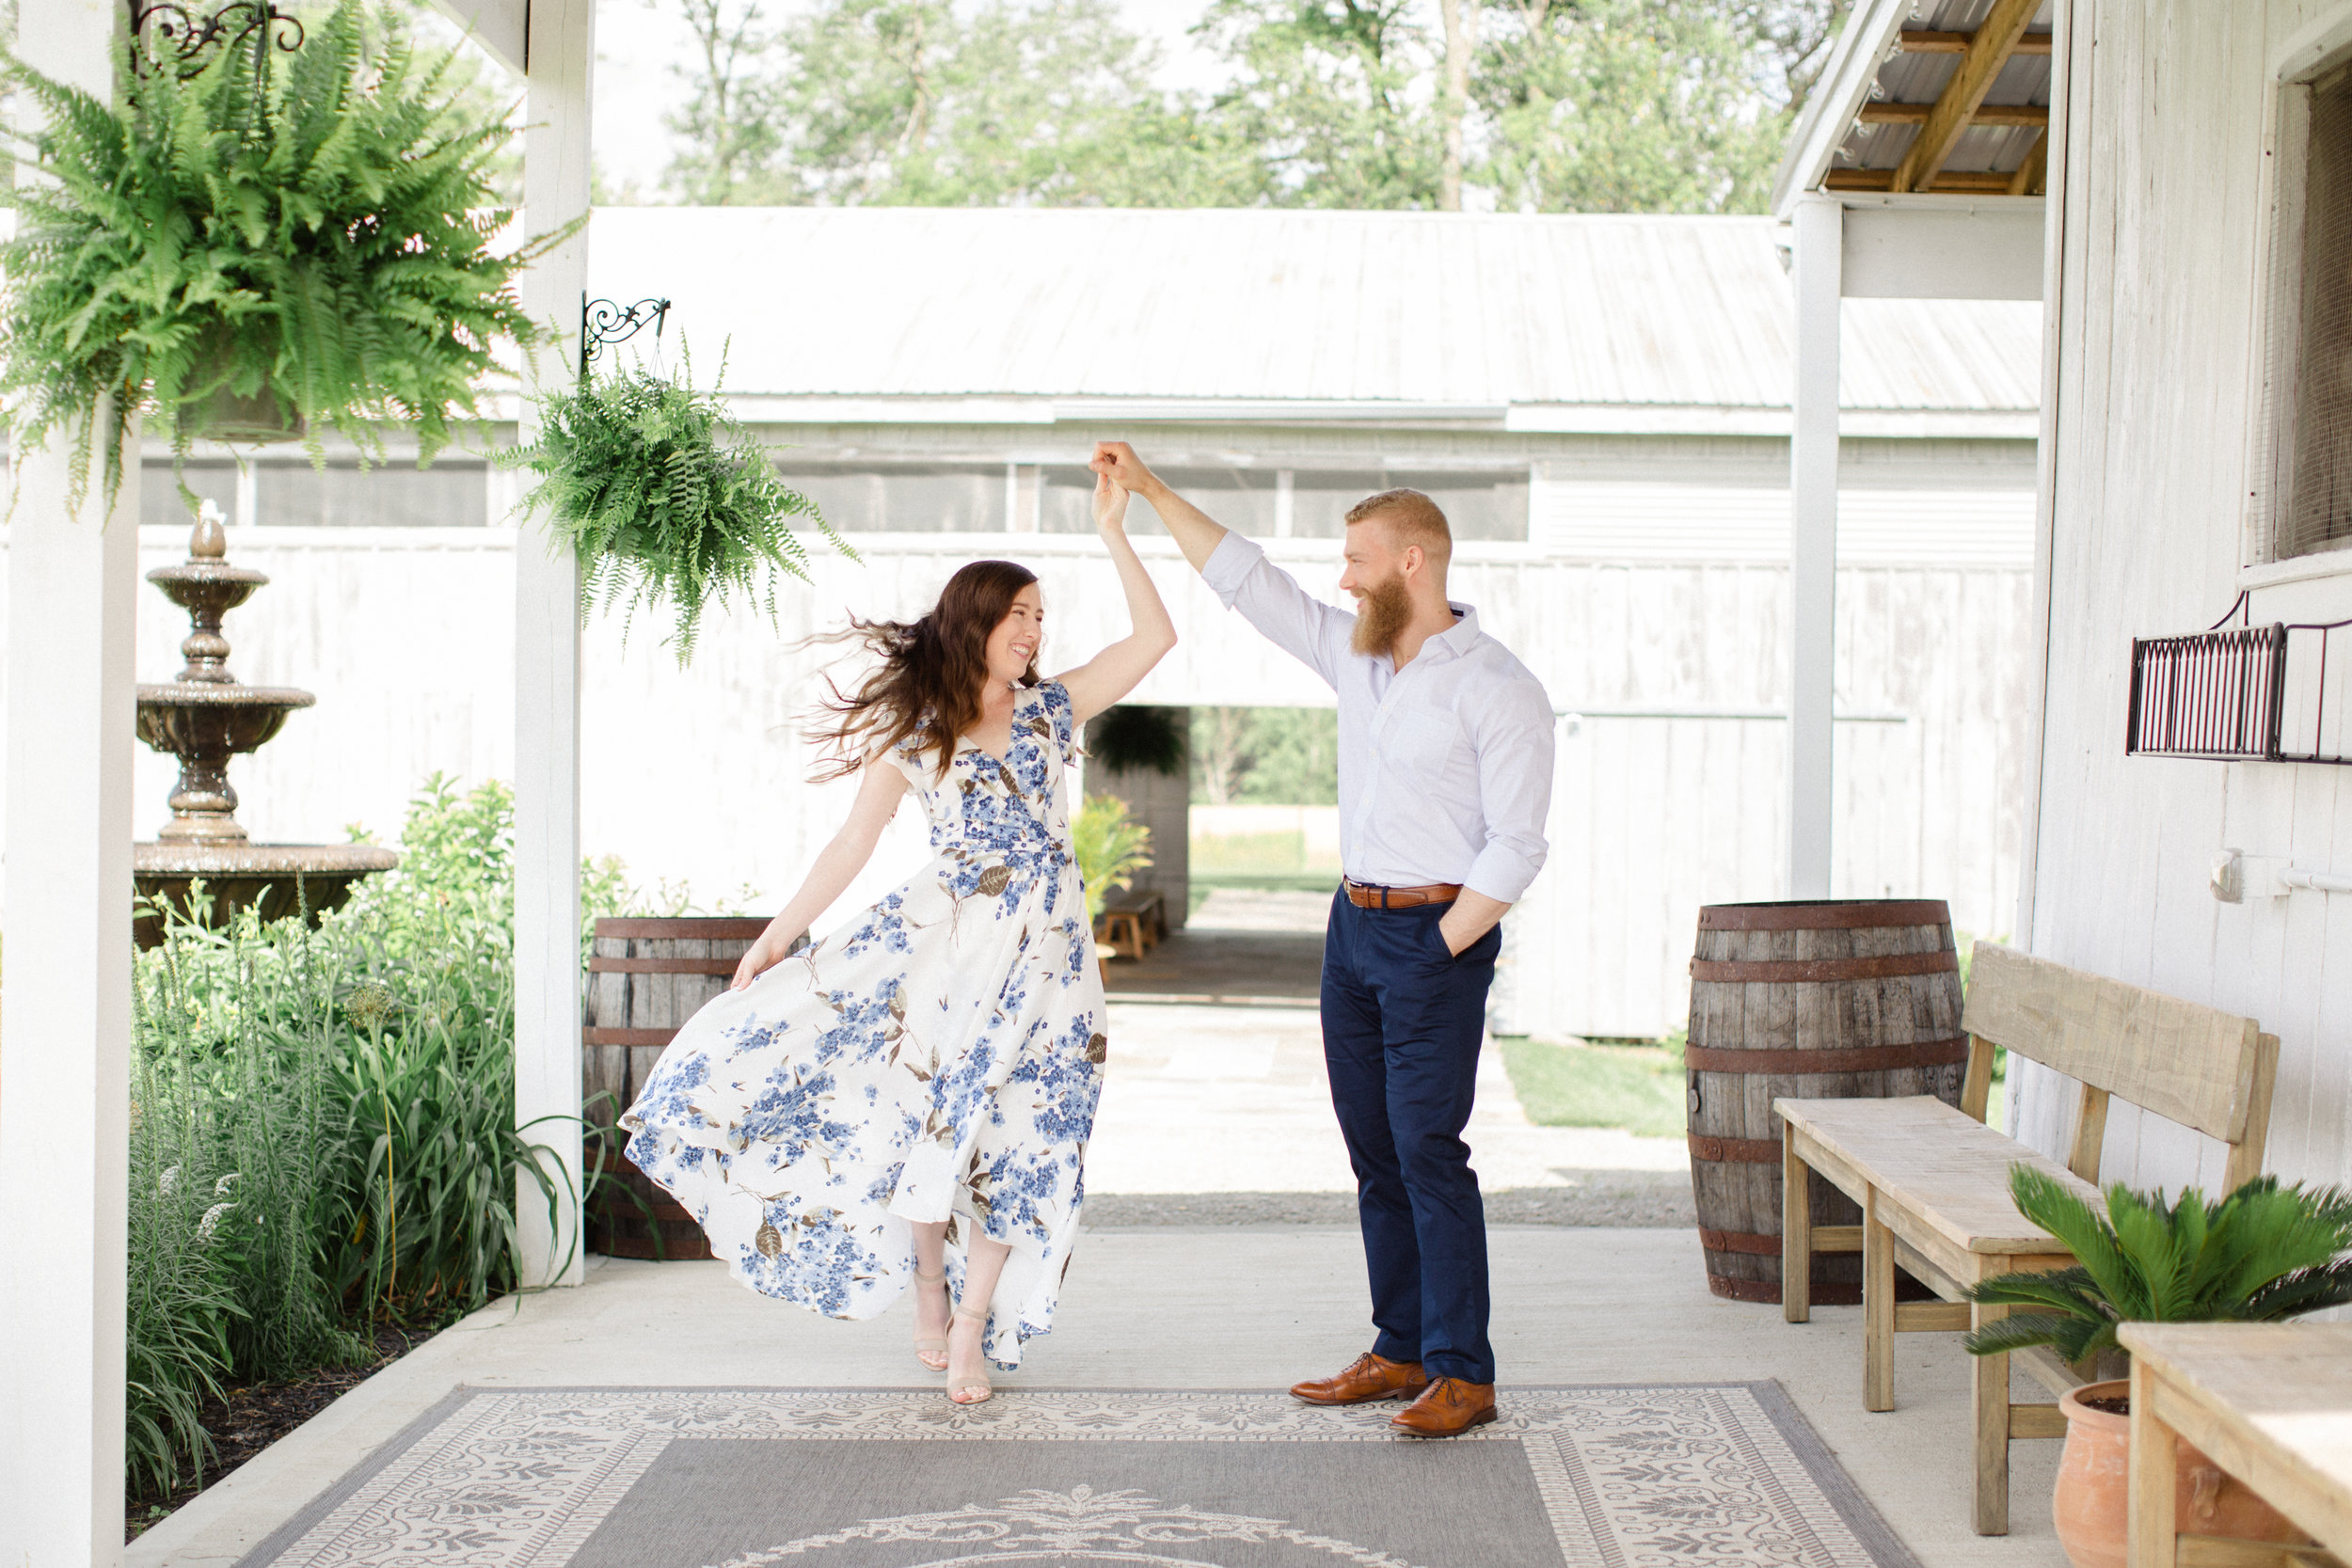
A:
{"x": 1119, "y": 668}
{"x": 878, "y": 789}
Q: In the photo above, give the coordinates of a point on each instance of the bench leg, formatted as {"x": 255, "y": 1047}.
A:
{"x": 1796, "y": 1232}
{"x": 1990, "y": 1422}
{"x": 1878, "y": 1309}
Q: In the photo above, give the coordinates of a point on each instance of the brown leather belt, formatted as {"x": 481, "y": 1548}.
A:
{"x": 1365, "y": 896}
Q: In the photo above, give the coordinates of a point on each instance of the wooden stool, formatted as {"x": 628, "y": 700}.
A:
{"x": 1132, "y": 924}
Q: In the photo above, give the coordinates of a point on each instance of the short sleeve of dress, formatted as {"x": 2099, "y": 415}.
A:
{"x": 906, "y": 756}
{"x": 1063, "y": 716}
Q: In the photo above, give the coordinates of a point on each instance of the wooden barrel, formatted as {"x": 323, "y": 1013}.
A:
{"x": 645, "y": 977}
{"x": 1830, "y": 1000}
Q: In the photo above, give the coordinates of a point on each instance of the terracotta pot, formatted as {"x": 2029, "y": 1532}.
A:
{"x": 2092, "y": 1506}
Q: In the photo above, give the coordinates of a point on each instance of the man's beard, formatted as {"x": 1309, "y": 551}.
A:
{"x": 1381, "y": 616}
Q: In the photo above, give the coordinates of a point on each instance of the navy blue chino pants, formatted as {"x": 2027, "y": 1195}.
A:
{"x": 1402, "y": 1023}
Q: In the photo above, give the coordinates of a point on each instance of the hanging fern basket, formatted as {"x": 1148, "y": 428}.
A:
{"x": 666, "y": 501}
{"x": 262, "y": 241}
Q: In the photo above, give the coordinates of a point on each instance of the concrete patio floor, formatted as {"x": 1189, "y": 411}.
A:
{"x": 1236, "y": 1307}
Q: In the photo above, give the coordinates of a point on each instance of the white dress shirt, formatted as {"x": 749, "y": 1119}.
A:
{"x": 1445, "y": 765}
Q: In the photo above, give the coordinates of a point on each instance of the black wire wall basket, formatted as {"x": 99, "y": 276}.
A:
{"x": 2245, "y": 693}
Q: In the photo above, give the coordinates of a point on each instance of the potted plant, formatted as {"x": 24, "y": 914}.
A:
{"x": 1110, "y": 846}
{"x": 662, "y": 497}
{"x": 249, "y": 245}
{"x": 2264, "y": 1253}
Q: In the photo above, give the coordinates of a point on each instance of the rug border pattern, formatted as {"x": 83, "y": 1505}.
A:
{"x": 1564, "y": 1485}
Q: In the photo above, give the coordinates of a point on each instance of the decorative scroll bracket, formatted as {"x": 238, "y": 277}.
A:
{"x": 161, "y": 27}
{"x": 604, "y": 321}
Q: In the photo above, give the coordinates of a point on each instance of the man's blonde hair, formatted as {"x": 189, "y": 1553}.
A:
{"x": 1414, "y": 520}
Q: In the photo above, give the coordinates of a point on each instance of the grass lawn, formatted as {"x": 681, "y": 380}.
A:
{"x": 1638, "y": 1088}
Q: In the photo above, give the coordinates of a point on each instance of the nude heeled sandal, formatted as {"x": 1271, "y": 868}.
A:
{"x": 981, "y": 1388}
{"x": 925, "y": 1349}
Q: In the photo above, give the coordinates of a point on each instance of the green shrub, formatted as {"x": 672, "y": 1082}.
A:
{"x": 322, "y": 1130}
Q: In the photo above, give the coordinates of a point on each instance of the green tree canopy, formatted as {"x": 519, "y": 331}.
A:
{"x": 1573, "y": 106}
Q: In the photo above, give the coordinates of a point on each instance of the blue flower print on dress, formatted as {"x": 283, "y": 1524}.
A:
{"x": 939, "y": 1057}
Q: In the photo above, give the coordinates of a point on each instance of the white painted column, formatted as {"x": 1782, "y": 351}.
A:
{"x": 1813, "y": 542}
{"x": 65, "y": 1053}
{"x": 561, "y": 55}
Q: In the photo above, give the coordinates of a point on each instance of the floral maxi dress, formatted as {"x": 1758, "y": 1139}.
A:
{"x": 937, "y": 1059}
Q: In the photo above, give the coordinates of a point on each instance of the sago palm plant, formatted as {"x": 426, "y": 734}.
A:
{"x": 2262, "y": 1253}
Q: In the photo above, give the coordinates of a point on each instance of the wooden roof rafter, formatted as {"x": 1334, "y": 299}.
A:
{"x": 1972, "y": 182}
{"x": 1986, "y": 114}
{"x": 1921, "y": 40}
{"x": 1988, "y": 49}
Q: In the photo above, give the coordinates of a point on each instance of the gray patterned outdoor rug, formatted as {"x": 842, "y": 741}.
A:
{"x": 1603, "y": 1477}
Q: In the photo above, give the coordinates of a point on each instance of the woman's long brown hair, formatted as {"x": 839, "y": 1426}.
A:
{"x": 932, "y": 675}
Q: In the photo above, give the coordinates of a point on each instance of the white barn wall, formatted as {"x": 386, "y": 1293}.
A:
{"x": 2163, "y": 154}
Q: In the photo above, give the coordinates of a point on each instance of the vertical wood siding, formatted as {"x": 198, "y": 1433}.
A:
{"x": 2163, "y": 149}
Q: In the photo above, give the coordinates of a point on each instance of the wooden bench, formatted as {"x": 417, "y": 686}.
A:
{"x": 1133, "y": 922}
{"x": 1934, "y": 1182}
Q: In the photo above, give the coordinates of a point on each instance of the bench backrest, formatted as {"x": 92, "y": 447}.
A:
{"x": 2198, "y": 1066}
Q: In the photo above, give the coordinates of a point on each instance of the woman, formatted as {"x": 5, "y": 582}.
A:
{"x": 909, "y": 1100}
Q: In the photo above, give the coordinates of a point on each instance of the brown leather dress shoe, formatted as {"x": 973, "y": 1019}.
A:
{"x": 1367, "y": 1377}
{"x": 1446, "y": 1408}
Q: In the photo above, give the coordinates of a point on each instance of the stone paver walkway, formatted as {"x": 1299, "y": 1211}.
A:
{"x": 1205, "y": 1098}
{"x": 1223, "y": 1100}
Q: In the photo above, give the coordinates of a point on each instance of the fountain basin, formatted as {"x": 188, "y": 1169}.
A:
{"x": 276, "y": 879}
{"x": 205, "y": 717}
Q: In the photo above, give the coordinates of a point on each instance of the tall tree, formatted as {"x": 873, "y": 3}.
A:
{"x": 726, "y": 124}
{"x": 1460, "y": 19}
{"x": 921, "y": 102}
{"x": 1332, "y": 98}
{"x": 1637, "y": 105}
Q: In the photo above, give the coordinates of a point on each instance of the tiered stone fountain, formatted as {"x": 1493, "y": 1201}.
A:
{"x": 204, "y": 718}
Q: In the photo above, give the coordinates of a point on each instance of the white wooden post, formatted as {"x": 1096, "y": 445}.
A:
{"x": 1819, "y": 239}
{"x": 65, "y": 1053}
{"x": 559, "y": 58}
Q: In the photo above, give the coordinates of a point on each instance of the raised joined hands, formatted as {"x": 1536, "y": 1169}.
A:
{"x": 1116, "y": 462}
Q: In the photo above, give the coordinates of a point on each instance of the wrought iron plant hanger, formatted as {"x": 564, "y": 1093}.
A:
{"x": 166, "y": 28}
{"x": 605, "y": 321}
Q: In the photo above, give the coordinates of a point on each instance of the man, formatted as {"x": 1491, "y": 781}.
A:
{"x": 1445, "y": 778}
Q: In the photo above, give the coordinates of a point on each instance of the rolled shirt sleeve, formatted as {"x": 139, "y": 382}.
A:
{"x": 1270, "y": 599}
{"x": 1515, "y": 758}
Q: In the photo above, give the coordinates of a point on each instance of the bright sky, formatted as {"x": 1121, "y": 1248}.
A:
{"x": 638, "y": 40}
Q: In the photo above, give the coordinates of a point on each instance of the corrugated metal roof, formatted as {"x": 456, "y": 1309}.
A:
{"x": 1870, "y": 68}
{"x": 1910, "y": 78}
{"x": 1413, "y": 308}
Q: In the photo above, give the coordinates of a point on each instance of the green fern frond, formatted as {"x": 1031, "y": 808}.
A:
{"x": 663, "y": 498}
